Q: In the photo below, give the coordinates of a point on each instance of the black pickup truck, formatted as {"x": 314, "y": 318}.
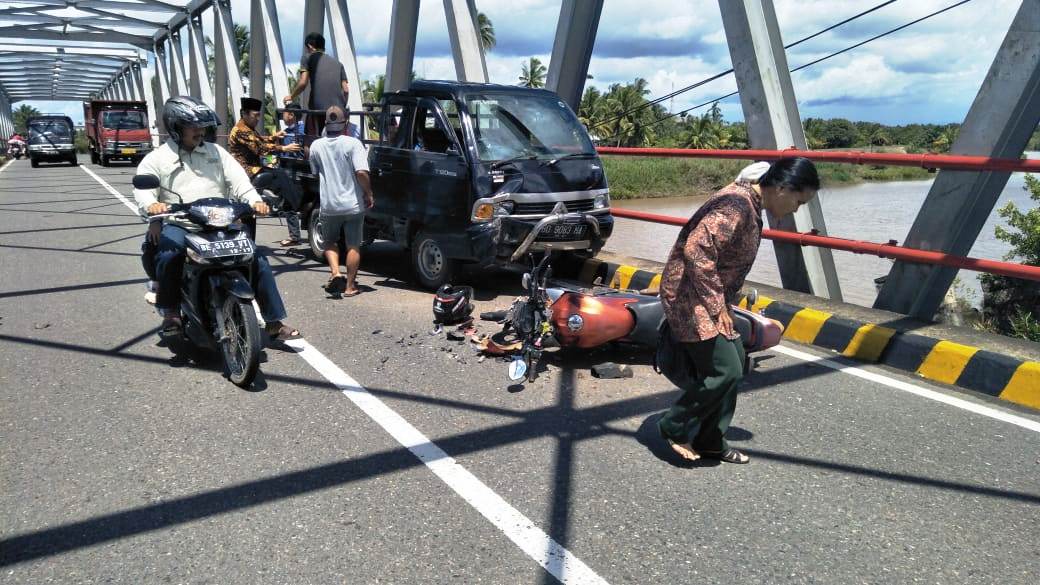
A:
{"x": 477, "y": 173}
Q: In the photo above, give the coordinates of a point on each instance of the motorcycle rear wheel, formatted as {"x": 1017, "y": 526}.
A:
{"x": 240, "y": 345}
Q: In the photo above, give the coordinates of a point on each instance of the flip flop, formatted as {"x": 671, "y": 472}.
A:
{"x": 336, "y": 285}
{"x": 352, "y": 294}
{"x": 729, "y": 456}
{"x": 289, "y": 242}
{"x": 283, "y": 333}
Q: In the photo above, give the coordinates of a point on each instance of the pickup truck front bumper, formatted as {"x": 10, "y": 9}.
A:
{"x": 51, "y": 152}
{"x": 507, "y": 240}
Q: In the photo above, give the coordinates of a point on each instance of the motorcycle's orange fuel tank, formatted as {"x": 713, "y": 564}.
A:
{"x": 600, "y": 319}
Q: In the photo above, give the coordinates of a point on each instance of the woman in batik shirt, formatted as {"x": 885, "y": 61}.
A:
{"x": 703, "y": 277}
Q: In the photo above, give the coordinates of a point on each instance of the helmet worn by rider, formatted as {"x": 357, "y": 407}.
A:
{"x": 187, "y": 112}
{"x": 452, "y": 304}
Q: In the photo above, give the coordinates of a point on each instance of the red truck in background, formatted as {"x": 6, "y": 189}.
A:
{"x": 117, "y": 130}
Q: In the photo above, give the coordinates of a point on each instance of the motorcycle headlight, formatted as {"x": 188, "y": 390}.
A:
{"x": 221, "y": 216}
{"x": 195, "y": 257}
{"x": 601, "y": 201}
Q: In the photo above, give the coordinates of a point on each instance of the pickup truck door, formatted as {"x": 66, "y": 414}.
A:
{"x": 390, "y": 159}
{"x": 438, "y": 183}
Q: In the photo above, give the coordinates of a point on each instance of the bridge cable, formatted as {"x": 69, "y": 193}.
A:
{"x": 809, "y": 64}
{"x": 728, "y": 71}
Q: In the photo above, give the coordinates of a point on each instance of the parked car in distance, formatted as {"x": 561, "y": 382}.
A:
{"x": 51, "y": 139}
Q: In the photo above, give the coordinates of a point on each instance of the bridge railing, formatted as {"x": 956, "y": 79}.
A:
{"x": 886, "y": 250}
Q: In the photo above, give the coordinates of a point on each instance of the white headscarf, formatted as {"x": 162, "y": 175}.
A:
{"x": 753, "y": 172}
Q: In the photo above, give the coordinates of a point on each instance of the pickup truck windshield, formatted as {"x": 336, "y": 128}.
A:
{"x": 124, "y": 120}
{"x": 49, "y": 131}
{"x": 525, "y": 126}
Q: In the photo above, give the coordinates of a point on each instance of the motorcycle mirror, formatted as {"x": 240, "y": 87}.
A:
{"x": 146, "y": 182}
{"x": 752, "y": 298}
{"x": 517, "y": 369}
{"x": 526, "y": 281}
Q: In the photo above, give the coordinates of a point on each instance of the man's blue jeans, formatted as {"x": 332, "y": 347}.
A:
{"x": 169, "y": 268}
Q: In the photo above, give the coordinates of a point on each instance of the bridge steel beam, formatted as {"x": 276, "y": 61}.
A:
{"x": 343, "y": 46}
{"x": 572, "y": 49}
{"x": 178, "y": 78}
{"x": 257, "y": 55}
{"x": 162, "y": 90}
{"x": 400, "y": 53}
{"x": 314, "y": 17}
{"x": 464, "y": 35}
{"x": 199, "y": 83}
{"x": 1004, "y": 114}
{"x": 227, "y": 76}
{"x": 771, "y": 111}
{"x": 275, "y": 56}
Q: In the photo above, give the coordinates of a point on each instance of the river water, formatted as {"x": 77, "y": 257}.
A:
{"x": 876, "y": 212}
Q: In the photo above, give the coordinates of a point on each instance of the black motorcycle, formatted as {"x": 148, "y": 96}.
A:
{"x": 217, "y": 299}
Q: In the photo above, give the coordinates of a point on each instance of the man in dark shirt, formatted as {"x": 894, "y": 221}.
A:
{"x": 327, "y": 79}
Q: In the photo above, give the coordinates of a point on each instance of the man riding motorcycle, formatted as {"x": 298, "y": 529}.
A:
{"x": 195, "y": 169}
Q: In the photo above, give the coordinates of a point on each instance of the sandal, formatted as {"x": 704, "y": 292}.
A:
{"x": 693, "y": 455}
{"x": 336, "y": 285}
{"x": 171, "y": 325}
{"x": 289, "y": 242}
{"x": 282, "y": 332}
{"x": 729, "y": 456}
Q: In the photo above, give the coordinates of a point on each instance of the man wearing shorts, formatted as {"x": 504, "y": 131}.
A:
{"x": 341, "y": 163}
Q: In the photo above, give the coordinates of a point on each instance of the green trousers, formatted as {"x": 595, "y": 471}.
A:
{"x": 702, "y": 414}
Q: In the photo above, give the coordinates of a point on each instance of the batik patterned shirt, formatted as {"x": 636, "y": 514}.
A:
{"x": 710, "y": 260}
{"x": 248, "y": 147}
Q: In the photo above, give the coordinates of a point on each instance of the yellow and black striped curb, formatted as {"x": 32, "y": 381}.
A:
{"x": 1009, "y": 378}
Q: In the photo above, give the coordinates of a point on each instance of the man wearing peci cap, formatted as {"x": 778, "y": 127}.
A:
{"x": 248, "y": 147}
{"x": 341, "y": 163}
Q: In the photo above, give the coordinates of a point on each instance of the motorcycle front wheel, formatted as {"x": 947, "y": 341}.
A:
{"x": 240, "y": 344}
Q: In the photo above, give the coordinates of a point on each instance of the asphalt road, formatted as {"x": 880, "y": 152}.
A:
{"x": 119, "y": 464}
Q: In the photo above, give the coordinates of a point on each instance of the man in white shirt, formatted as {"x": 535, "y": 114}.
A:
{"x": 195, "y": 169}
{"x": 341, "y": 163}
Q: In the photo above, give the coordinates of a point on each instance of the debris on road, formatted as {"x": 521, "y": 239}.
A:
{"x": 610, "y": 370}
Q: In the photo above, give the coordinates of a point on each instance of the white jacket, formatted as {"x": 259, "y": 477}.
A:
{"x": 207, "y": 171}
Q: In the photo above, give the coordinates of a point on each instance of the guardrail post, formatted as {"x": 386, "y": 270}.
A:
{"x": 1001, "y": 119}
{"x": 461, "y": 16}
{"x": 343, "y": 47}
{"x": 200, "y": 87}
{"x": 400, "y": 53}
{"x": 572, "y": 49}
{"x": 771, "y": 112}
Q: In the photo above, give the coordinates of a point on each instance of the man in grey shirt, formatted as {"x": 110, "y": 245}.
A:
{"x": 327, "y": 79}
{"x": 341, "y": 163}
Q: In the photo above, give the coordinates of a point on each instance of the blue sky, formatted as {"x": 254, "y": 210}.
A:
{"x": 928, "y": 73}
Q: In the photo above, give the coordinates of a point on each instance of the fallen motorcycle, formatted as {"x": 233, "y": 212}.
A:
{"x": 573, "y": 317}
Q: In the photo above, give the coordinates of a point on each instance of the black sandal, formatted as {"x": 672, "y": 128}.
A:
{"x": 729, "y": 456}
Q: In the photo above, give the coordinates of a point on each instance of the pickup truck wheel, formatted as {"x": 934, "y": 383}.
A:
{"x": 314, "y": 236}
{"x": 35, "y": 163}
{"x": 74, "y": 161}
{"x": 431, "y": 265}
{"x": 94, "y": 158}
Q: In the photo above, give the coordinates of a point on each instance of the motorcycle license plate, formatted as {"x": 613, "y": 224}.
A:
{"x": 128, "y": 151}
{"x": 564, "y": 231}
{"x": 222, "y": 248}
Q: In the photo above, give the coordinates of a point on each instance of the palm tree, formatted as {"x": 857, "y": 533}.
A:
{"x": 21, "y": 117}
{"x": 242, "y": 41}
{"x": 487, "y": 32}
{"x": 532, "y": 73}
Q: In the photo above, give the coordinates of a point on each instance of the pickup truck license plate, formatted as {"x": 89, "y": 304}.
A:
{"x": 564, "y": 231}
{"x": 128, "y": 150}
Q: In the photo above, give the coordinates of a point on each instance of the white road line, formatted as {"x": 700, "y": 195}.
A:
{"x": 555, "y": 559}
{"x": 112, "y": 190}
{"x": 912, "y": 389}
{"x": 4, "y": 168}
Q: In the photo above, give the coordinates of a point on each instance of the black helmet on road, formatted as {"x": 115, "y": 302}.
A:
{"x": 186, "y": 112}
{"x": 451, "y": 304}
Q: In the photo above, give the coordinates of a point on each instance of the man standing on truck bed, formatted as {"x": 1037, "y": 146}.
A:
{"x": 341, "y": 163}
{"x": 327, "y": 79}
{"x": 248, "y": 147}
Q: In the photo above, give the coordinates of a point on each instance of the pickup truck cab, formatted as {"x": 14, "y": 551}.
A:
{"x": 51, "y": 139}
{"x": 482, "y": 174}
